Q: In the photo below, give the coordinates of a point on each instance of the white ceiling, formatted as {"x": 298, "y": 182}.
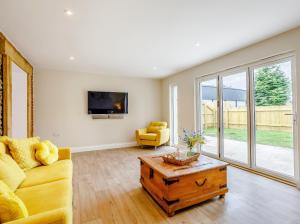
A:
{"x": 130, "y": 37}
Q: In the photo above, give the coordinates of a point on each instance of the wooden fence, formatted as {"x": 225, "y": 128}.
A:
{"x": 276, "y": 118}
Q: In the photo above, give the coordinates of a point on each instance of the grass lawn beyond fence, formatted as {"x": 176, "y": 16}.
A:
{"x": 275, "y": 138}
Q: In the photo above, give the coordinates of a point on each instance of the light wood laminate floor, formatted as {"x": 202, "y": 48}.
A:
{"x": 107, "y": 190}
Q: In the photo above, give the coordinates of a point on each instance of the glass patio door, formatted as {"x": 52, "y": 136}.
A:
{"x": 234, "y": 94}
{"x": 209, "y": 120}
{"x": 248, "y": 116}
{"x": 274, "y": 117}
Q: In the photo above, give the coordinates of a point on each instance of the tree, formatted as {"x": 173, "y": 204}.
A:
{"x": 271, "y": 86}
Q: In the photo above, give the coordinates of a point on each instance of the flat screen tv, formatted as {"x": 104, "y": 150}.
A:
{"x": 107, "y": 103}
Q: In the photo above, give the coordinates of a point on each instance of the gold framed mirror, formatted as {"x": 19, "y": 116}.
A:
{"x": 17, "y": 92}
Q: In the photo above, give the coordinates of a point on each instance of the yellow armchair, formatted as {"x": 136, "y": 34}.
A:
{"x": 155, "y": 134}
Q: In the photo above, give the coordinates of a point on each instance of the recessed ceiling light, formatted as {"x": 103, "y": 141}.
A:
{"x": 72, "y": 58}
{"x": 197, "y": 44}
{"x": 154, "y": 68}
{"x": 68, "y": 12}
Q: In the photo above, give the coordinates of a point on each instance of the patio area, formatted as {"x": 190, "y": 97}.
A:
{"x": 274, "y": 158}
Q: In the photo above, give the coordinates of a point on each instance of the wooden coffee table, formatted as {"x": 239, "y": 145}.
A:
{"x": 176, "y": 187}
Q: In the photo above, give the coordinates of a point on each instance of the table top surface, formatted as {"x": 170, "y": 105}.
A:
{"x": 204, "y": 163}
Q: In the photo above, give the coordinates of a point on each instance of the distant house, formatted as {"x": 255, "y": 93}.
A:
{"x": 233, "y": 97}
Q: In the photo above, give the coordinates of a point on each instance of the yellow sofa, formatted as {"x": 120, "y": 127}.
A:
{"x": 47, "y": 192}
{"x": 155, "y": 134}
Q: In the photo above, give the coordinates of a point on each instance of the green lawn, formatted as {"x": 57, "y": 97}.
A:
{"x": 276, "y": 138}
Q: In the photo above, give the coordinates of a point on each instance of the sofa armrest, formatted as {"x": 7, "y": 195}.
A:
{"x": 163, "y": 135}
{"x": 141, "y": 131}
{"x": 57, "y": 216}
{"x": 64, "y": 153}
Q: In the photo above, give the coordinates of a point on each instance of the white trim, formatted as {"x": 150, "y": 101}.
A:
{"x": 278, "y": 57}
{"x": 77, "y": 149}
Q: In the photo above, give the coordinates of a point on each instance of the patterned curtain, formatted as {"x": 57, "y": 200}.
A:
{"x": 1, "y": 97}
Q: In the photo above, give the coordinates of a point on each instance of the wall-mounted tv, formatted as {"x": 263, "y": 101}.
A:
{"x": 107, "y": 102}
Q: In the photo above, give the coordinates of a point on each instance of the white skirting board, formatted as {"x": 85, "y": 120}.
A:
{"x": 77, "y": 149}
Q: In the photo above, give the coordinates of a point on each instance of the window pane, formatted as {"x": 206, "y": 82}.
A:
{"x": 209, "y": 118}
{"x": 274, "y": 118}
{"x": 235, "y": 117}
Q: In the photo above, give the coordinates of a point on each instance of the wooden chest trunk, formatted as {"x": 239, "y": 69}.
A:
{"x": 174, "y": 187}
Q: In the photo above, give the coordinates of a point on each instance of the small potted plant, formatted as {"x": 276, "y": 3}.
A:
{"x": 191, "y": 139}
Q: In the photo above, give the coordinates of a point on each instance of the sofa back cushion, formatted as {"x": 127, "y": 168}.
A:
{"x": 159, "y": 123}
{"x": 156, "y": 126}
{"x": 23, "y": 152}
{"x": 11, "y": 206}
{"x": 10, "y": 173}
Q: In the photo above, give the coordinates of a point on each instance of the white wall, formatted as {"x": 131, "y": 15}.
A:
{"x": 60, "y": 108}
{"x": 286, "y": 42}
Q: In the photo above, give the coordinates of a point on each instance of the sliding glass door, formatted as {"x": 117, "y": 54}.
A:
{"x": 274, "y": 117}
{"x": 248, "y": 116}
{"x": 235, "y": 116}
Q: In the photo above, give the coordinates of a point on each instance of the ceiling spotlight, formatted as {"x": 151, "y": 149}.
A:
{"x": 72, "y": 58}
{"x": 68, "y": 12}
{"x": 197, "y": 44}
{"x": 154, "y": 68}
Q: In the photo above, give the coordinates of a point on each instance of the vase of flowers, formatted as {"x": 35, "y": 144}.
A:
{"x": 191, "y": 139}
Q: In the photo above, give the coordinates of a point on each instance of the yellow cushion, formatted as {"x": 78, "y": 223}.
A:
{"x": 44, "y": 174}
{"x": 4, "y": 140}
{"x": 46, "y": 197}
{"x": 3, "y": 148}
{"x": 10, "y": 173}
{"x": 11, "y": 206}
{"x": 46, "y": 152}
{"x": 148, "y": 136}
{"x": 22, "y": 151}
{"x": 154, "y": 129}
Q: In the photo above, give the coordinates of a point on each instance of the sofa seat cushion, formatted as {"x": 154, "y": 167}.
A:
{"x": 59, "y": 170}
{"x": 148, "y": 136}
{"x": 46, "y": 197}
